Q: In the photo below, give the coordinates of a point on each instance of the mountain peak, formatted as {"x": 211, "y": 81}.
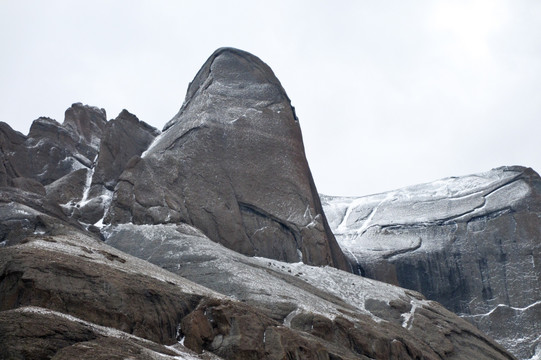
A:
{"x": 232, "y": 163}
{"x": 233, "y": 73}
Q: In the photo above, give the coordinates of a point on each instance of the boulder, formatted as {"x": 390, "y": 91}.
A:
{"x": 232, "y": 164}
{"x": 471, "y": 243}
{"x": 27, "y": 184}
{"x": 25, "y": 214}
{"x": 79, "y": 276}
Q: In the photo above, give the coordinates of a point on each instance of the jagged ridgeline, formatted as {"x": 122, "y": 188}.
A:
{"x": 206, "y": 240}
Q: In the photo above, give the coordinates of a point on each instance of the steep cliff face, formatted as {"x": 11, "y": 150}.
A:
{"x": 472, "y": 243}
{"x": 232, "y": 164}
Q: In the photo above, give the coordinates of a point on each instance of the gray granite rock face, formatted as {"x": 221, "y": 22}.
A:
{"x": 472, "y": 243}
{"x": 232, "y": 164}
{"x": 10, "y": 142}
{"x": 123, "y": 138}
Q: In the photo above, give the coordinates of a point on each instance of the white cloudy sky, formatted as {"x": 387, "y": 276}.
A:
{"x": 389, "y": 93}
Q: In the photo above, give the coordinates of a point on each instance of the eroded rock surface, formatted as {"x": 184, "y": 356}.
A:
{"x": 472, "y": 243}
{"x": 52, "y": 150}
{"x": 123, "y": 138}
{"x": 35, "y": 333}
{"x": 232, "y": 164}
{"x": 347, "y": 315}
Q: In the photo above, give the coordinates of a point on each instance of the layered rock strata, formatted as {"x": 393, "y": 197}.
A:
{"x": 350, "y": 316}
{"x": 472, "y": 243}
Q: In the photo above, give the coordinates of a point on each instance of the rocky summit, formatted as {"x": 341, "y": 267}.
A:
{"x": 232, "y": 164}
{"x": 472, "y": 243}
{"x": 206, "y": 240}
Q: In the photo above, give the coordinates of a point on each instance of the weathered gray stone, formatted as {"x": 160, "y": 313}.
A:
{"x": 10, "y": 142}
{"x": 26, "y": 214}
{"x": 345, "y": 315}
{"x": 472, "y": 243}
{"x": 124, "y": 137}
{"x": 79, "y": 276}
{"x": 34, "y": 333}
{"x": 87, "y": 124}
{"x": 51, "y": 150}
{"x": 232, "y": 164}
{"x": 69, "y": 188}
{"x": 27, "y": 184}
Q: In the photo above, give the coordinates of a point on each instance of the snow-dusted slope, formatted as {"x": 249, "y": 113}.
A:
{"x": 317, "y": 300}
{"x": 472, "y": 243}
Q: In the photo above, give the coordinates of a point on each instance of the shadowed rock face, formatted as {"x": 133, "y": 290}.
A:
{"x": 53, "y": 150}
{"x": 472, "y": 243}
{"x": 232, "y": 164}
{"x": 10, "y": 141}
{"x": 124, "y": 137}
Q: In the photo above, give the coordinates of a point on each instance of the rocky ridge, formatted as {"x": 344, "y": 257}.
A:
{"x": 172, "y": 279}
{"x": 471, "y": 243}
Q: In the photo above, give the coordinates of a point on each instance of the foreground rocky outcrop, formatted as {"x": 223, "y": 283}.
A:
{"x": 118, "y": 241}
{"x": 354, "y": 316}
{"x": 90, "y": 300}
{"x": 85, "y": 295}
{"x": 472, "y": 243}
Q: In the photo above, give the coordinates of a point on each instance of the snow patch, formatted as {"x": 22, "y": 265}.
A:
{"x": 291, "y": 316}
{"x": 156, "y": 140}
{"x": 88, "y": 183}
{"x": 504, "y": 306}
{"x": 537, "y": 355}
{"x": 408, "y": 317}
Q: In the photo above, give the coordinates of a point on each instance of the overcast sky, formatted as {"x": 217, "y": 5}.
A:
{"x": 388, "y": 93}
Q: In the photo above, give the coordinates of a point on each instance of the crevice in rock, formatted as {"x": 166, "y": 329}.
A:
{"x": 181, "y": 140}
{"x": 403, "y": 251}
